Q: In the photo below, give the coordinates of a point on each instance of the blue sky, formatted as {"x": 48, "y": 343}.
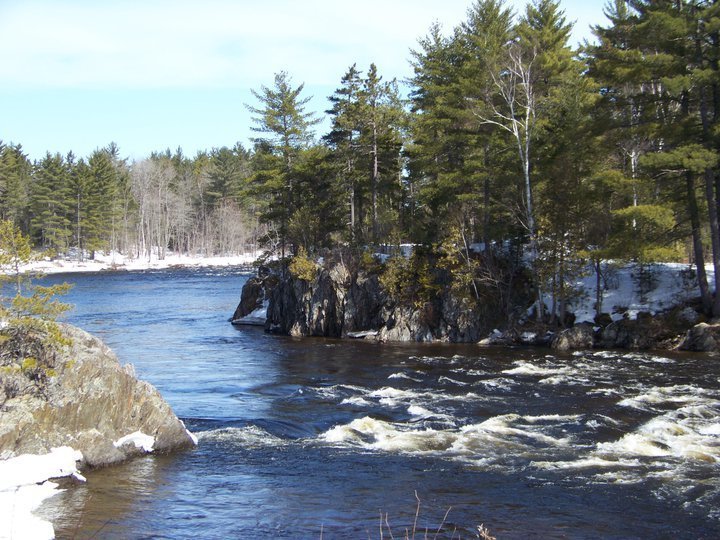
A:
{"x": 156, "y": 74}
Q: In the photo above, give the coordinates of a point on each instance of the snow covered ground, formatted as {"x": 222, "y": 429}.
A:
{"x": 117, "y": 261}
{"x": 629, "y": 289}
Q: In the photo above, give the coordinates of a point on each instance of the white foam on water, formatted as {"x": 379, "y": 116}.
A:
{"x": 403, "y": 376}
{"x": 380, "y": 435}
{"x": 505, "y": 425}
{"x": 448, "y": 380}
{"x": 334, "y": 391}
{"x": 502, "y": 383}
{"x": 247, "y": 437}
{"x": 526, "y": 368}
{"x": 590, "y": 462}
{"x": 356, "y": 401}
{"x": 553, "y": 418}
{"x": 672, "y": 395}
{"x": 494, "y": 439}
{"x": 556, "y": 380}
{"x": 417, "y": 410}
{"x": 673, "y": 440}
{"x": 604, "y": 392}
{"x": 388, "y": 392}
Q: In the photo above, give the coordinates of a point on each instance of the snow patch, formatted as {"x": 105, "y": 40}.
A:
{"x": 666, "y": 285}
{"x": 24, "y": 485}
{"x": 139, "y": 439}
{"x": 257, "y": 318}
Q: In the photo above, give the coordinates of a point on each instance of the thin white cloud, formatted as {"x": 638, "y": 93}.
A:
{"x": 165, "y": 43}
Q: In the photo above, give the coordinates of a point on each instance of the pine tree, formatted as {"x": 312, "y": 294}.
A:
{"x": 229, "y": 168}
{"x": 440, "y": 143}
{"x": 344, "y": 141}
{"x": 50, "y": 203}
{"x": 102, "y": 216}
{"x": 15, "y": 171}
{"x": 287, "y": 129}
{"x": 658, "y": 61}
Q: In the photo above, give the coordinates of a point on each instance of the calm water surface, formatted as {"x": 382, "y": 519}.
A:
{"x": 299, "y": 436}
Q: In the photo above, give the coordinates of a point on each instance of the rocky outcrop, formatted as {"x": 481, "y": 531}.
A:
{"x": 309, "y": 308}
{"x": 254, "y": 298}
{"x": 339, "y": 302}
{"x": 343, "y": 302}
{"x": 88, "y": 402}
{"x": 581, "y": 336}
{"x": 702, "y": 337}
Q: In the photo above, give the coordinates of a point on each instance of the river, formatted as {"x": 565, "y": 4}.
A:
{"x": 320, "y": 438}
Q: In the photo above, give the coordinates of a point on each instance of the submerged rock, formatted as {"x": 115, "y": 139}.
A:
{"x": 89, "y": 403}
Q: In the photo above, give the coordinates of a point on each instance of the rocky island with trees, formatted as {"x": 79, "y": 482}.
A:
{"x": 516, "y": 166}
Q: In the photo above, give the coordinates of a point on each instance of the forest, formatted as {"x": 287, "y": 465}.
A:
{"x": 505, "y": 135}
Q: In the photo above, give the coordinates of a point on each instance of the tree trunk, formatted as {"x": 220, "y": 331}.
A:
{"x": 697, "y": 244}
{"x": 374, "y": 184}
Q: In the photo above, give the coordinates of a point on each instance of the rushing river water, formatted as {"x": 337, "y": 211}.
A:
{"x": 300, "y": 438}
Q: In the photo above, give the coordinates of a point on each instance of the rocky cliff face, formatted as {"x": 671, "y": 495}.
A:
{"x": 89, "y": 403}
{"x": 340, "y": 302}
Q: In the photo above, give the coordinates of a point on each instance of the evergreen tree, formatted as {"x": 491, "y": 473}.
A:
{"x": 344, "y": 141}
{"x": 287, "y": 129}
{"x": 667, "y": 88}
{"x": 440, "y": 141}
{"x": 50, "y": 203}
{"x": 102, "y": 217}
{"x": 15, "y": 171}
{"x": 367, "y": 138}
{"x": 229, "y": 168}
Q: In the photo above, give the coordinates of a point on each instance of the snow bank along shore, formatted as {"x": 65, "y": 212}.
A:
{"x": 116, "y": 261}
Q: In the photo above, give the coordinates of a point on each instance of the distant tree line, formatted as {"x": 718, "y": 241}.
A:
{"x": 508, "y": 136}
{"x": 164, "y": 202}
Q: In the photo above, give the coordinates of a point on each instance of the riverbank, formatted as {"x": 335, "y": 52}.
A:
{"x": 116, "y": 261}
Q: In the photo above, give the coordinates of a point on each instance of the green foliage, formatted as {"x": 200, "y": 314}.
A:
{"x": 303, "y": 267}
{"x": 29, "y": 338}
{"x": 366, "y": 139}
{"x": 410, "y": 281}
{"x": 617, "y": 157}
{"x": 642, "y": 234}
{"x": 369, "y": 263}
{"x": 456, "y": 259}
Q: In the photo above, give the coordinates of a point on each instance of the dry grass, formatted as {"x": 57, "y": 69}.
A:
{"x": 385, "y": 531}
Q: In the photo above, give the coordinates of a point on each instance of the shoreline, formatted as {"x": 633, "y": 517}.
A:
{"x": 118, "y": 262}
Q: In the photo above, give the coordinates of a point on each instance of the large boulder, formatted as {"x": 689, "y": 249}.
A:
{"x": 702, "y": 337}
{"x": 581, "y": 336}
{"x": 88, "y": 402}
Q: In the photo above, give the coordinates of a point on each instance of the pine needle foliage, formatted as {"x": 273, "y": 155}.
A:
{"x": 30, "y": 338}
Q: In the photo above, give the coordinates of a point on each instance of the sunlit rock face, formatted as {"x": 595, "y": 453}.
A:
{"x": 89, "y": 403}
